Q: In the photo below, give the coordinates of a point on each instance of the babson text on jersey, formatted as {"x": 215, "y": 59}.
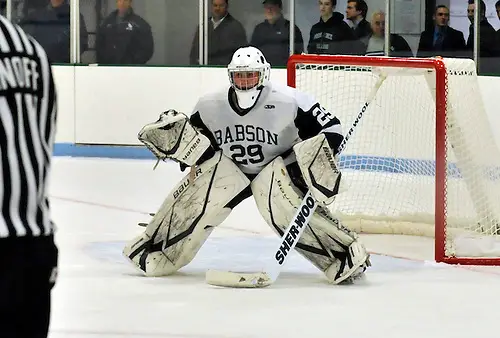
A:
{"x": 18, "y": 72}
{"x": 250, "y": 133}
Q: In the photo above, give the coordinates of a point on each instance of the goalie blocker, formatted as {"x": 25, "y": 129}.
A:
{"x": 194, "y": 207}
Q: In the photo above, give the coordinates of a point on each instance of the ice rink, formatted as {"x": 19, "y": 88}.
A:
{"x": 97, "y": 203}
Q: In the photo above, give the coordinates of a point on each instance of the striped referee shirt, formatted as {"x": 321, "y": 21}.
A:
{"x": 27, "y": 130}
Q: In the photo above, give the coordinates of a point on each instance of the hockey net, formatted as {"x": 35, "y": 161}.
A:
{"x": 423, "y": 160}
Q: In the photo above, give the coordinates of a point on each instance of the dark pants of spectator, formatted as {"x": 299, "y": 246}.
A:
{"x": 27, "y": 275}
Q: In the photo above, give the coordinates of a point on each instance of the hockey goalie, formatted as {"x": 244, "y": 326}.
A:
{"x": 252, "y": 138}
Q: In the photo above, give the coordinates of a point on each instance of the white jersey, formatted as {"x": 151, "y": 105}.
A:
{"x": 253, "y": 137}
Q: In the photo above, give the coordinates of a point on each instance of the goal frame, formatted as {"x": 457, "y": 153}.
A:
{"x": 439, "y": 67}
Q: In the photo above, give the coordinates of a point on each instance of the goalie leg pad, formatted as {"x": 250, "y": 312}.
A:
{"x": 325, "y": 242}
{"x": 187, "y": 217}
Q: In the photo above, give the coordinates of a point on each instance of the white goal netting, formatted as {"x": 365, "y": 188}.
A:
{"x": 389, "y": 164}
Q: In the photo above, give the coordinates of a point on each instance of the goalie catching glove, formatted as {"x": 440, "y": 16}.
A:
{"x": 172, "y": 136}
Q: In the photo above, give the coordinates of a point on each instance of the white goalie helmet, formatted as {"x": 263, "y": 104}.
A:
{"x": 248, "y": 72}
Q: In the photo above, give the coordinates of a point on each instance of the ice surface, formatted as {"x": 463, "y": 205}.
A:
{"x": 98, "y": 203}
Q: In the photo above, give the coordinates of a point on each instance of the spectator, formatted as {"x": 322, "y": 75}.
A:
{"x": 356, "y": 14}
{"x": 50, "y": 26}
{"x": 225, "y": 36}
{"x": 441, "y": 39}
{"x": 497, "y": 7}
{"x": 376, "y": 41}
{"x": 331, "y": 35}
{"x": 124, "y": 37}
{"x": 272, "y": 36}
{"x": 487, "y": 35}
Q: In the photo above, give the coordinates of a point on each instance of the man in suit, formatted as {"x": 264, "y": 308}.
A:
{"x": 497, "y": 7}
{"x": 225, "y": 36}
{"x": 489, "y": 50}
{"x": 356, "y": 13}
{"x": 441, "y": 39}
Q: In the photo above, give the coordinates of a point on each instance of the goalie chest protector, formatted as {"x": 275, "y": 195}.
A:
{"x": 254, "y": 137}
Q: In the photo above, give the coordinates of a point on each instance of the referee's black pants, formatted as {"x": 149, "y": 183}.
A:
{"x": 27, "y": 275}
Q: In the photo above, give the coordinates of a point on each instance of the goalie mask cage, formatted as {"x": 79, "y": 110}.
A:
{"x": 423, "y": 160}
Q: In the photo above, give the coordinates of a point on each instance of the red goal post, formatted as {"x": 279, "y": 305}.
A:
{"x": 423, "y": 160}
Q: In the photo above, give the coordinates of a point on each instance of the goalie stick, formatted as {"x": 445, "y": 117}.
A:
{"x": 292, "y": 234}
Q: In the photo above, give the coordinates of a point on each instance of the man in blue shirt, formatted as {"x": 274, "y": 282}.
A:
{"x": 441, "y": 39}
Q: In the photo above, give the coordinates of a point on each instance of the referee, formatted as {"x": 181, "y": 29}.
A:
{"x": 28, "y": 255}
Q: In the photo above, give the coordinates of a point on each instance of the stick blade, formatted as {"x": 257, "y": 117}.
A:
{"x": 238, "y": 279}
